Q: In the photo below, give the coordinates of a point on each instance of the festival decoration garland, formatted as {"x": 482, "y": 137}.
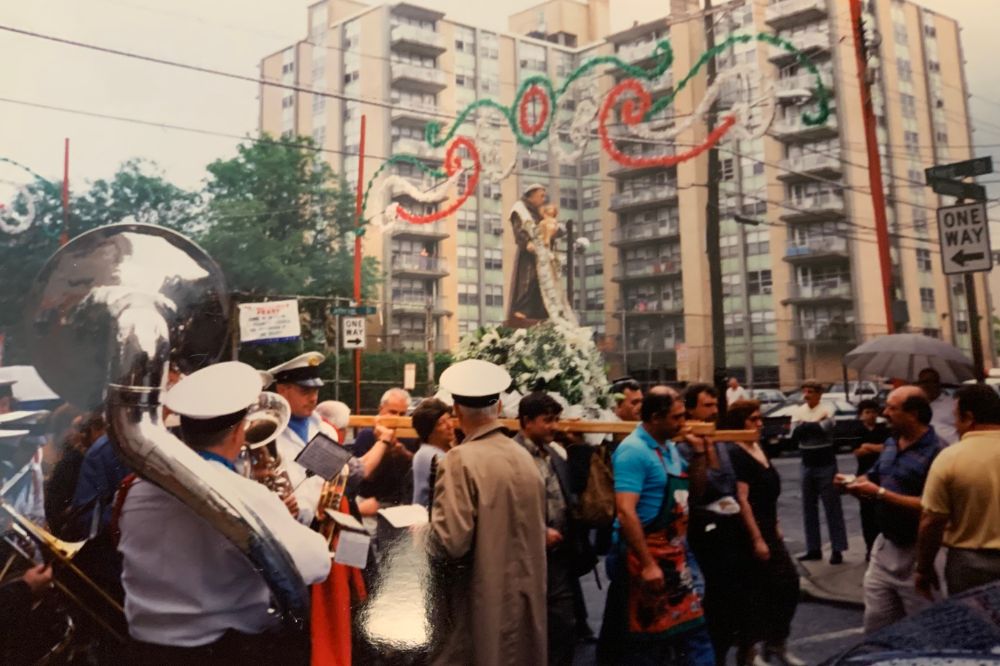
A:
{"x": 637, "y": 107}
{"x": 12, "y": 222}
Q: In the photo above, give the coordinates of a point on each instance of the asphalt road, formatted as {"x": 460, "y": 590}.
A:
{"x": 819, "y": 630}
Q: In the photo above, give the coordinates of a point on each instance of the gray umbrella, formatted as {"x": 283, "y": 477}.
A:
{"x": 904, "y": 355}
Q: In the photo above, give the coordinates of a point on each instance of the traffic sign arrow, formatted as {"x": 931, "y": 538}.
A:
{"x": 353, "y": 341}
{"x": 962, "y": 256}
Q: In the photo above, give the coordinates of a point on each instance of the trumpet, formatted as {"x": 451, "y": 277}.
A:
{"x": 265, "y": 421}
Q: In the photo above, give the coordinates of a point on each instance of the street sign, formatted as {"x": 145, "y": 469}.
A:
{"x": 410, "y": 376}
{"x": 354, "y": 333}
{"x": 974, "y": 167}
{"x": 965, "y": 238}
{"x": 956, "y": 188}
{"x": 352, "y": 310}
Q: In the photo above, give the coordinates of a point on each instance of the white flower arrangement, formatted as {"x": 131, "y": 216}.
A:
{"x": 552, "y": 356}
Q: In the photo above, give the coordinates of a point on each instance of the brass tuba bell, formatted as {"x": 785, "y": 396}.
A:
{"x": 108, "y": 313}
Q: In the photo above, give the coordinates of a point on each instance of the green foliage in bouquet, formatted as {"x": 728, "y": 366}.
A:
{"x": 551, "y": 356}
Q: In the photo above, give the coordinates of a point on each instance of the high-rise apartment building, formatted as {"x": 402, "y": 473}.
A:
{"x": 801, "y": 281}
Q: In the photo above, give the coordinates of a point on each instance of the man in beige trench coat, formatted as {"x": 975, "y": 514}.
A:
{"x": 489, "y": 510}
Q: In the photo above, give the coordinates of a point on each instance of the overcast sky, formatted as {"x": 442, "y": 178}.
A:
{"x": 232, "y": 35}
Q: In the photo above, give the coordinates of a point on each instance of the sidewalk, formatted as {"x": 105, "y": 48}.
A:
{"x": 838, "y": 583}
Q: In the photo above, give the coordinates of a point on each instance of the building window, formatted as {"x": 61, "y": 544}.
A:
{"x": 912, "y": 141}
{"x": 759, "y": 282}
{"x": 567, "y": 170}
{"x": 905, "y": 69}
{"x": 590, "y": 166}
{"x": 927, "y": 299}
{"x": 909, "y": 105}
{"x": 468, "y": 257}
{"x": 933, "y": 66}
{"x": 568, "y": 202}
{"x": 494, "y": 295}
{"x": 493, "y": 259}
{"x": 468, "y": 294}
{"x": 350, "y": 77}
{"x": 930, "y": 31}
{"x": 726, "y": 170}
{"x": 923, "y": 260}
{"x": 899, "y": 32}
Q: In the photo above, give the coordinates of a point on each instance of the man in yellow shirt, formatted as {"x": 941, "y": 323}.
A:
{"x": 961, "y": 501}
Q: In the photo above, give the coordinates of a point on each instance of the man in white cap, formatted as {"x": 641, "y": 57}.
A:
{"x": 489, "y": 508}
{"x": 526, "y": 304}
{"x": 298, "y": 382}
{"x": 190, "y": 595}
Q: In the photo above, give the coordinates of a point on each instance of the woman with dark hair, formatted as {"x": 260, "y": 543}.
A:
{"x": 772, "y": 577}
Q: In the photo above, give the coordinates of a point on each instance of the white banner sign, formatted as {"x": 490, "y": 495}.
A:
{"x": 273, "y": 321}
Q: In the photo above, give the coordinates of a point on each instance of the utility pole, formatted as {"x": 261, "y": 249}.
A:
{"x": 874, "y": 164}
{"x": 357, "y": 259}
{"x": 570, "y": 251}
{"x": 712, "y": 231}
{"x": 429, "y": 334}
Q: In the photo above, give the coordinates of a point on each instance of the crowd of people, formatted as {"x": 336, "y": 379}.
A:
{"x": 687, "y": 524}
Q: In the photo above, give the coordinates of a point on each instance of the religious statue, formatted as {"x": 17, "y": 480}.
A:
{"x": 536, "y": 292}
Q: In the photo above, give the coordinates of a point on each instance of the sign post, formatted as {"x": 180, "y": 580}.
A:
{"x": 965, "y": 235}
{"x": 965, "y": 249}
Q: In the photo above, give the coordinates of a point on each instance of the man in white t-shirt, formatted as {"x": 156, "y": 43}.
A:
{"x": 735, "y": 391}
{"x": 942, "y": 406}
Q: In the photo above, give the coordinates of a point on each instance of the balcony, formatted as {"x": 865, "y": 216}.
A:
{"x": 792, "y": 13}
{"x": 642, "y": 198}
{"x": 417, "y": 341}
{"x": 415, "y": 265}
{"x": 417, "y": 148}
{"x": 414, "y": 114}
{"x": 432, "y": 230}
{"x": 826, "y": 290}
{"x": 812, "y": 43}
{"x": 424, "y": 79}
{"x": 811, "y": 249}
{"x": 408, "y": 303}
{"x": 826, "y": 334}
{"x": 644, "y": 270}
{"x": 417, "y": 40}
{"x": 792, "y": 129}
{"x": 656, "y": 344}
{"x": 638, "y": 234}
{"x": 810, "y": 166}
{"x": 635, "y": 54}
{"x": 803, "y": 85}
{"x": 817, "y": 208}
{"x": 638, "y": 307}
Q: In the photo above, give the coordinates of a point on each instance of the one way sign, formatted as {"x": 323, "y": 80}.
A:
{"x": 965, "y": 238}
{"x": 354, "y": 333}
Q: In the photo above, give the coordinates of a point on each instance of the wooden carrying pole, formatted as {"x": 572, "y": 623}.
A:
{"x": 403, "y": 427}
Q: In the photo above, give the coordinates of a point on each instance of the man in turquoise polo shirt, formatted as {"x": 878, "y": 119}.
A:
{"x": 653, "y": 613}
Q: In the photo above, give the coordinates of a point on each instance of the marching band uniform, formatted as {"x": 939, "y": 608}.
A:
{"x": 191, "y": 595}
{"x": 304, "y": 371}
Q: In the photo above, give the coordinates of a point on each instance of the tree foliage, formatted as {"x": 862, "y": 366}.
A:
{"x": 279, "y": 221}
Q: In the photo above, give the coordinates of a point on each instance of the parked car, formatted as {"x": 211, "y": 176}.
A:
{"x": 858, "y": 391}
{"x": 777, "y": 431}
{"x": 769, "y": 399}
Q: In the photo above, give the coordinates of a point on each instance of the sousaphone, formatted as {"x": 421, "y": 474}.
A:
{"x": 109, "y": 312}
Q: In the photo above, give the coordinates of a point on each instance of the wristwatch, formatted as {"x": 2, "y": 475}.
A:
{"x": 880, "y": 494}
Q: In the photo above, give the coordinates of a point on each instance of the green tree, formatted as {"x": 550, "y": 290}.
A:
{"x": 136, "y": 192}
{"x": 279, "y": 221}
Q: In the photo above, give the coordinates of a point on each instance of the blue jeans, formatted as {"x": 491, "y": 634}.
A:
{"x": 692, "y": 648}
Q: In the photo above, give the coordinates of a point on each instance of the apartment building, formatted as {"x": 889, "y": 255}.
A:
{"x": 801, "y": 280}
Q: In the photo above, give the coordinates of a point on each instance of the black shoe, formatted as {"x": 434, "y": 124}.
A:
{"x": 837, "y": 557}
{"x": 811, "y": 555}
